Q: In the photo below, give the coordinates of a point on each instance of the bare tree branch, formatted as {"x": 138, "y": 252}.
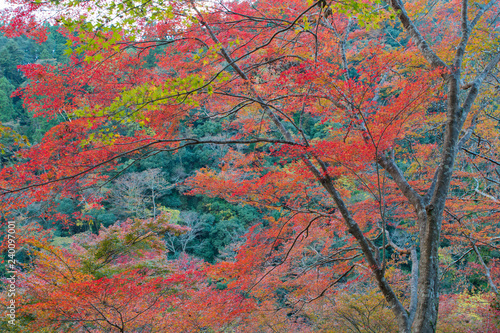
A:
{"x": 421, "y": 43}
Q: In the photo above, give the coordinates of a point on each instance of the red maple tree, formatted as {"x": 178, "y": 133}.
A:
{"x": 402, "y": 157}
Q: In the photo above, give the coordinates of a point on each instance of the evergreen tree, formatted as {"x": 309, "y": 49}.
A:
{"x": 6, "y": 106}
{"x": 10, "y": 57}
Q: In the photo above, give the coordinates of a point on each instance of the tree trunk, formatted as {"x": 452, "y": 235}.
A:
{"x": 428, "y": 283}
{"x": 430, "y": 228}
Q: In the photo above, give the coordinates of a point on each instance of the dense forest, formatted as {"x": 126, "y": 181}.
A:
{"x": 144, "y": 189}
{"x": 250, "y": 166}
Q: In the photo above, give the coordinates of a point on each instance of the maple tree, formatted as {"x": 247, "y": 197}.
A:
{"x": 366, "y": 130}
{"x": 104, "y": 283}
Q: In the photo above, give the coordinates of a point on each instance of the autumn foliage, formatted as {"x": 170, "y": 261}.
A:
{"x": 365, "y": 132}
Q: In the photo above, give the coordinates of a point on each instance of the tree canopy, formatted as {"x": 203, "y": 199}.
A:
{"x": 340, "y": 154}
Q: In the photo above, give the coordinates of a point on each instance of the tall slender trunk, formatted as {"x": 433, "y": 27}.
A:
{"x": 430, "y": 228}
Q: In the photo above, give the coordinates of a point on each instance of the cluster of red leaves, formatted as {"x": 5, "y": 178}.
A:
{"x": 380, "y": 104}
{"x": 101, "y": 285}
